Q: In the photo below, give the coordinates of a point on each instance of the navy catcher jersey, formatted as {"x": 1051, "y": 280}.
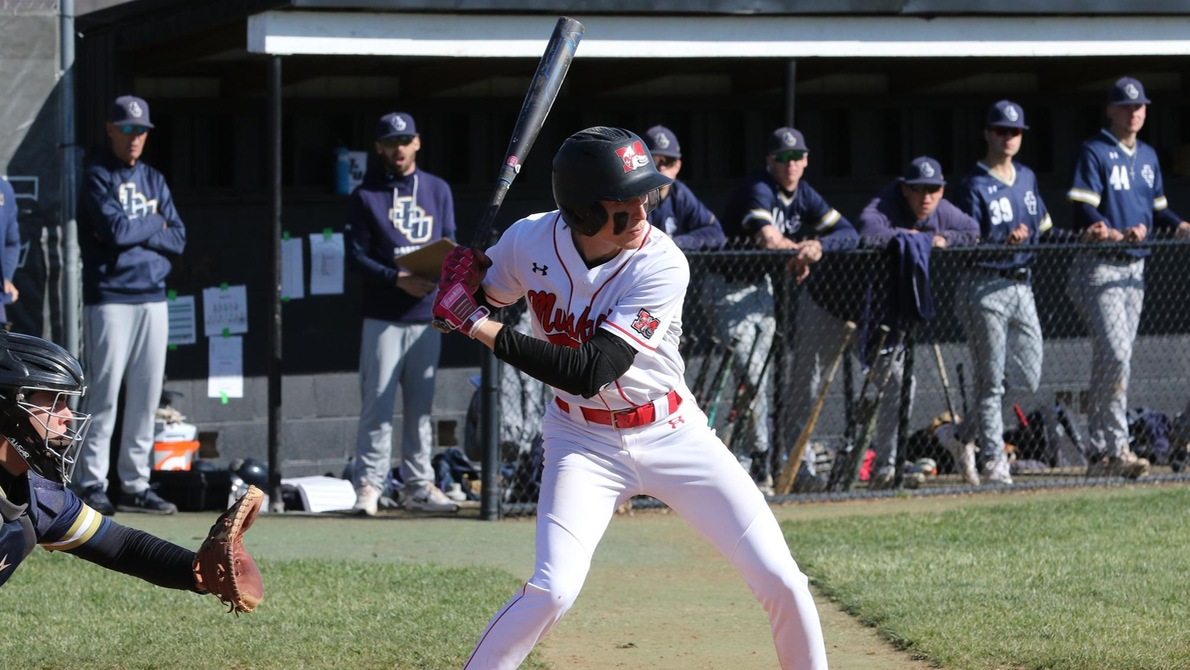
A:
{"x": 1001, "y": 206}
{"x": 1124, "y": 185}
{"x": 38, "y": 511}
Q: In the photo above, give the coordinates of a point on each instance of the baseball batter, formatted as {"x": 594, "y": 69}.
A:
{"x": 1117, "y": 195}
{"x": 605, "y": 290}
{"x": 994, "y": 297}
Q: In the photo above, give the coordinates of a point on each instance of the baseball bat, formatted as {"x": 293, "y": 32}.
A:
{"x": 745, "y": 401}
{"x": 954, "y": 418}
{"x": 962, "y": 386}
{"x": 789, "y": 470}
{"x": 747, "y": 373}
{"x": 543, "y": 90}
{"x": 720, "y": 381}
{"x": 871, "y": 418}
{"x": 845, "y": 460}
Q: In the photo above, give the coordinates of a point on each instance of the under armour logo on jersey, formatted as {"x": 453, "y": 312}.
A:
{"x": 633, "y": 155}
{"x": 646, "y": 324}
{"x": 675, "y": 422}
{"x": 1113, "y": 155}
{"x": 542, "y": 270}
{"x": 411, "y": 220}
{"x": 135, "y": 203}
{"x": 992, "y": 189}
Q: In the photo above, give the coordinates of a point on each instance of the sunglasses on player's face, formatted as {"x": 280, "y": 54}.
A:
{"x": 1006, "y": 132}
{"x": 787, "y": 156}
{"x": 398, "y": 141}
{"x": 925, "y": 189}
{"x": 129, "y": 129}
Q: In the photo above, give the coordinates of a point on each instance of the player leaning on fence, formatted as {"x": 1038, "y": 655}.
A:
{"x": 1118, "y": 197}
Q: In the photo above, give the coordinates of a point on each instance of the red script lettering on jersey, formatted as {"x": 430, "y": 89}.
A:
{"x": 560, "y": 326}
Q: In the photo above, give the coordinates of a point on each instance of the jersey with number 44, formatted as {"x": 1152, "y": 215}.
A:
{"x": 1123, "y": 184}
{"x": 637, "y": 296}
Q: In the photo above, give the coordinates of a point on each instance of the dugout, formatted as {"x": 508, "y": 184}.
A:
{"x": 872, "y": 83}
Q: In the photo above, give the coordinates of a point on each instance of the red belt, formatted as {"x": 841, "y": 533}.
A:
{"x": 626, "y": 418}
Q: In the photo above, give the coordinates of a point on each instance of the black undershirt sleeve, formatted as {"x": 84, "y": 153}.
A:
{"x": 583, "y": 371}
{"x": 137, "y": 553}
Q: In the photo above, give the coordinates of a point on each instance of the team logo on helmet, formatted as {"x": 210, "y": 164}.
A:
{"x": 1010, "y": 113}
{"x": 135, "y": 110}
{"x": 1131, "y": 92}
{"x": 646, "y": 324}
{"x": 633, "y": 156}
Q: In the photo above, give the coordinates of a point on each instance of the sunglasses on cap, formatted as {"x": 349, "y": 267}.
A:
{"x": 1006, "y": 132}
{"x": 129, "y": 129}
{"x": 398, "y": 141}
{"x": 787, "y": 156}
{"x": 663, "y": 162}
{"x": 924, "y": 189}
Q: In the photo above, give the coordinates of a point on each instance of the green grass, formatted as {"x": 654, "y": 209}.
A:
{"x": 61, "y": 612}
{"x": 1095, "y": 582}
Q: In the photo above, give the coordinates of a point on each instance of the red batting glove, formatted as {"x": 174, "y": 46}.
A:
{"x": 456, "y": 309}
{"x": 466, "y": 266}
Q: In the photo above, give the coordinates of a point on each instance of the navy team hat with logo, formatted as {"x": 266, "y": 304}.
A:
{"x": 923, "y": 170}
{"x": 1127, "y": 91}
{"x": 1006, "y": 114}
{"x": 129, "y": 110}
{"x": 395, "y": 124}
{"x": 787, "y": 139}
{"x": 661, "y": 141}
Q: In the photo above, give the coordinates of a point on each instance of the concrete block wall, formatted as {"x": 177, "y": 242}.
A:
{"x": 320, "y": 414}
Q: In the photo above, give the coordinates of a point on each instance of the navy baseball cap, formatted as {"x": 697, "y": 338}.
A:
{"x": 787, "y": 139}
{"x": 661, "y": 141}
{"x": 923, "y": 170}
{"x": 1006, "y": 114}
{"x": 1127, "y": 91}
{"x": 395, "y": 124}
{"x": 129, "y": 110}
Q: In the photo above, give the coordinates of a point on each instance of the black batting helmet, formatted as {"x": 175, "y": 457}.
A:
{"x": 48, "y": 438}
{"x": 601, "y": 163}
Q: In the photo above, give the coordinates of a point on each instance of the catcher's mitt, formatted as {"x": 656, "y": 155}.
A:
{"x": 222, "y": 566}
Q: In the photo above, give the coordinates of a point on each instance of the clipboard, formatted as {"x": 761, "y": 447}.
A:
{"x": 427, "y": 261}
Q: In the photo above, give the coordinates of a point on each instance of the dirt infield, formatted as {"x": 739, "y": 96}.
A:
{"x": 658, "y": 596}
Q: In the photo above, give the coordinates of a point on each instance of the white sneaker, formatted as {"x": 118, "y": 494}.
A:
{"x": 455, "y": 492}
{"x": 367, "y": 498}
{"x": 997, "y": 472}
{"x": 429, "y": 498}
{"x": 963, "y": 454}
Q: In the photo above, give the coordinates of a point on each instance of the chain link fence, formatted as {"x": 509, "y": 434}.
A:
{"x": 760, "y": 347}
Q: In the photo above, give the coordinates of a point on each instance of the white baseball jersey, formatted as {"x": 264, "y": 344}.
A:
{"x": 637, "y": 296}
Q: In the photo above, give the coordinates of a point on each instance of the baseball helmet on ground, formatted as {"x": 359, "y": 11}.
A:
{"x": 597, "y": 164}
{"x": 251, "y": 471}
{"x": 29, "y": 365}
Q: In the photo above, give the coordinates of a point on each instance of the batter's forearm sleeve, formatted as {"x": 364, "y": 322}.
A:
{"x": 583, "y": 371}
{"x": 137, "y": 553}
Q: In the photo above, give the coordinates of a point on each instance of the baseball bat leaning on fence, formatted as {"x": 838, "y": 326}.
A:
{"x": 745, "y": 401}
{"x": 962, "y": 386}
{"x": 747, "y": 373}
{"x": 720, "y": 381}
{"x": 789, "y": 470}
{"x": 905, "y": 402}
{"x": 543, "y": 90}
{"x": 706, "y": 385}
{"x": 954, "y": 418}
{"x": 846, "y": 459}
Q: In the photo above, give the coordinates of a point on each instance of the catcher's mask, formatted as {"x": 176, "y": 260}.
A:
{"x": 47, "y": 433}
{"x": 603, "y": 163}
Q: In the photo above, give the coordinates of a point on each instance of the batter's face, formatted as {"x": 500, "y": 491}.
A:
{"x": 1003, "y": 142}
{"x": 1126, "y": 119}
{"x": 399, "y": 154}
{"x": 128, "y": 141}
{"x": 786, "y": 167}
{"x": 922, "y": 199}
{"x": 627, "y": 221}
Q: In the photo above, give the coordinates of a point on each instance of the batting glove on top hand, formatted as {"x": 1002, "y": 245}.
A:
{"x": 455, "y": 309}
{"x": 466, "y": 266}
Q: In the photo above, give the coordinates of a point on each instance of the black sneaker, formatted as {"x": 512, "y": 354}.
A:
{"x": 147, "y": 502}
{"x": 96, "y": 499}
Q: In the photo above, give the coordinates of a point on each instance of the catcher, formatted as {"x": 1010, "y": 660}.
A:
{"x": 40, "y": 437}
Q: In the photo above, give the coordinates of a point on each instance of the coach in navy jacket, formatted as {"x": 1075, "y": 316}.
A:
{"x": 128, "y": 229}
